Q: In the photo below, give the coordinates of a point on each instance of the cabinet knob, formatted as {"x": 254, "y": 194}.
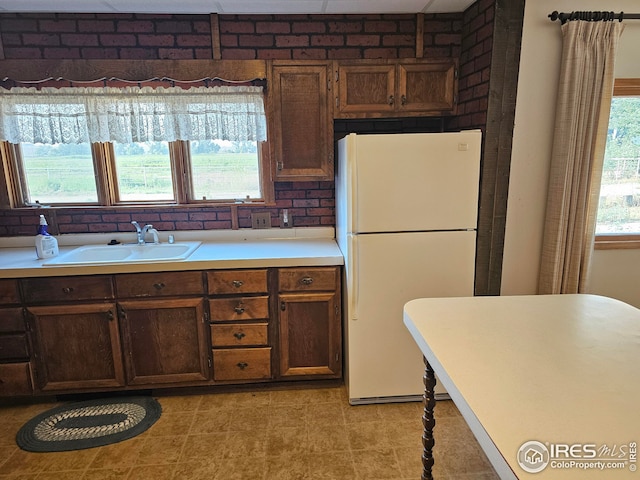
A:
{"x": 110, "y": 315}
{"x": 67, "y": 290}
{"x": 403, "y": 100}
{"x": 239, "y": 309}
{"x": 391, "y": 100}
{"x": 159, "y": 286}
{"x": 237, "y": 283}
{"x": 306, "y": 280}
{"x": 242, "y": 365}
{"x": 239, "y": 335}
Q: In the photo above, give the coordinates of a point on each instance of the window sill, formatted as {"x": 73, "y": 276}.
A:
{"x": 617, "y": 242}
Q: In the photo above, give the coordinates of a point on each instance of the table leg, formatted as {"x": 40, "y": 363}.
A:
{"x": 428, "y": 421}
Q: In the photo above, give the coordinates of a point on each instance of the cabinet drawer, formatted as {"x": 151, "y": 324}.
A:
{"x": 11, "y": 320}
{"x": 242, "y": 364}
{"x": 238, "y": 308}
{"x": 237, "y": 281}
{"x": 67, "y": 289}
{"x": 159, "y": 284}
{"x": 235, "y": 335}
{"x": 9, "y": 292}
{"x": 13, "y": 347}
{"x": 15, "y": 379}
{"x": 306, "y": 279}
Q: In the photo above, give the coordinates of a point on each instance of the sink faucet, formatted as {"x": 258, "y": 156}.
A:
{"x": 141, "y": 232}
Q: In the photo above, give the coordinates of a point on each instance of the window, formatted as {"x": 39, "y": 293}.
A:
{"x": 618, "y": 222}
{"x": 107, "y": 146}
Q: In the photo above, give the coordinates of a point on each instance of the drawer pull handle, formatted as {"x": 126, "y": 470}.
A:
{"x": 237, "y": 283}
{"x": 403, "y": 100}
{"x": 239, "y": 309}
{"x": 67, "y": 290}
{"x": 239, "y": 335}
{"x": 110, "y": 315}
{"x": 159, "y": 286}
{"x": 242, "y": 365}
{"x": 391, "y": 100}
{"x": 306, "y": 281}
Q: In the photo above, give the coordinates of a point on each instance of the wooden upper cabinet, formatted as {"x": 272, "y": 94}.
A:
{"x": 395, "y": 88}
{"x": 301, "y": 120}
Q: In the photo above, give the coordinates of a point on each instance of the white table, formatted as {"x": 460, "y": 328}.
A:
{"x": 559, "y": 370}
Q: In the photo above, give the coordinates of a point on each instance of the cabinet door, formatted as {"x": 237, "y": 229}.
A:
{"x": 427, "y": 87}
{"x": 310, "y": 335}
{"x": 366, "y": 89}
{"x": 165, "y": 341}
{"x": 76, "y": 346}
{"x": 302, "y": 122}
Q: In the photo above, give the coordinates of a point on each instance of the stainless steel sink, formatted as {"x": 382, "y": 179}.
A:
{"x": 124, "y": 253}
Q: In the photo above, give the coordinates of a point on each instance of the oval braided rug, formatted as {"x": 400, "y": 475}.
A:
{"x": 88, "y": 424}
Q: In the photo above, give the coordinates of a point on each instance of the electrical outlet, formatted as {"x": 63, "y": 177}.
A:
{"x": 261, "y": 220}
{"x": 286, "y": 220}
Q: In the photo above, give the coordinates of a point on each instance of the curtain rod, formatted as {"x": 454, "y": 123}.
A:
{"x": 593, "y": 16}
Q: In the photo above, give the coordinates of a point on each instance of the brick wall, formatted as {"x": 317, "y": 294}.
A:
{"x": 475, "y": 66}
{"x": 135, "y": 36}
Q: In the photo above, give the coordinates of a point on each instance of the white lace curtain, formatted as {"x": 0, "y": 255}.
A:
{"x": 131, "y": 114}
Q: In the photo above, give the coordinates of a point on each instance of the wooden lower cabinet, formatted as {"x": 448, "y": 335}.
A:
{"x": 309, "y": 321}
{"x": 15, "y": 379}
{"x": 165, "y": 341}
{"x": 76, "y": 346}
{"x": 242, "y": 364}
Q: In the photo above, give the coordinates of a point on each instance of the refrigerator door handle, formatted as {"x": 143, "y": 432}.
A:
{"x": 354, "y": 284}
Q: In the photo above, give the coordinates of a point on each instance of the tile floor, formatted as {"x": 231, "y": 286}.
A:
{"x": 268, "y": 435}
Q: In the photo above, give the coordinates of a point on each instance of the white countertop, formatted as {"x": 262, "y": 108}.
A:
{"x": 296, "y": 247}
{"x": 556, "y": 369}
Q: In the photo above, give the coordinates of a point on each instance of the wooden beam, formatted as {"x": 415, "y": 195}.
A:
{"x": 419, "y": 35}
{"x": 133, "y": 70}
{"x": 215, "y": 37}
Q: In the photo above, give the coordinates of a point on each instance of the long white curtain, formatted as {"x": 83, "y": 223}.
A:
{"x": 131, "y": 114}
{"x": 582, "y": 117}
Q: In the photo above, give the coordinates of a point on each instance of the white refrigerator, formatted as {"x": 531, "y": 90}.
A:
{"x": 406, "y": 217}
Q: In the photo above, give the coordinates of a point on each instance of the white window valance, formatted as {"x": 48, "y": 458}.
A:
{"x": 131, "y": 114}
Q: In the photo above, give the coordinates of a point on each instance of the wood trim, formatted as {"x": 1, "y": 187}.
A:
{"x": 215, "y": 37}
{"x": 139, "y": 70}
{"x": 626, "y": 87}
{"x": 617, "y": 242}
{"x": 420, "y": 35}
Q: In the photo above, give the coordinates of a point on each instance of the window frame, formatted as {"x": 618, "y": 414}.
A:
{"x": 623, "y": 87}
{"x": 14, "y": 185}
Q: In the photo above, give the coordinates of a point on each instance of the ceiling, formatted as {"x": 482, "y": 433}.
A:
{"x": 236, "y": 6}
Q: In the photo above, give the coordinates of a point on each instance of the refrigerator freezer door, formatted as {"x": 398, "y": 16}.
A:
{"x": 414, "y": 182}
{"x": 382, "y": 358}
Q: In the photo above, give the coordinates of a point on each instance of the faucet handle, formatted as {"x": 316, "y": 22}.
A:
{"x": 137, "y": 225}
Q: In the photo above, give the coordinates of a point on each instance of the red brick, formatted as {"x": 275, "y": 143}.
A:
{"x": 327, "y": 40}
{"x": 135, "y": 26}
{"x": 79, "y": 39}
{"x": 228, "y": 40}
{"x": 203, "y": 53}
{"x": 363, "y": 40}
{"x": 272, "y": 27}
{"x": 381, "y": 26}
{"x": 156, "y": 40}
{"x": 40, "y": 39}
{"x": 239, "y": 54}
{"x": 309, "y": 27}
{"x": 19, "y": 25}
{"x": 292, "y": 41}
{"x": 60, "y": 52}
{"x": 255, "y": 40}
{"x": 380, "y": 53}
{"x": 173, "y": 27}
{"x": 175, "y": 53}
{"x": 96, "y": 26}
{"x": 201, "y": 216}
{"x": 308, "y": 54}
{"x": 57, "y": 25}
{"x": 115, "y": 40}
{"x": 22, "y": 53}
{"x": 73, "y": 228}
{"x": 138, "y": 54}
{"x": 193, "y": 40}
{"x": 274, "y": 54}
{"x": 217, "y": 225}
{"x": 11, "y": 39}
{"x": 202, "y": 27}
{"x": 345, "y": 27}
{"x": 398, "y": 40}
{"x": 99, "y": 53}
{"x": 343, "y": 54}
{"x": 237, "y": 27}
